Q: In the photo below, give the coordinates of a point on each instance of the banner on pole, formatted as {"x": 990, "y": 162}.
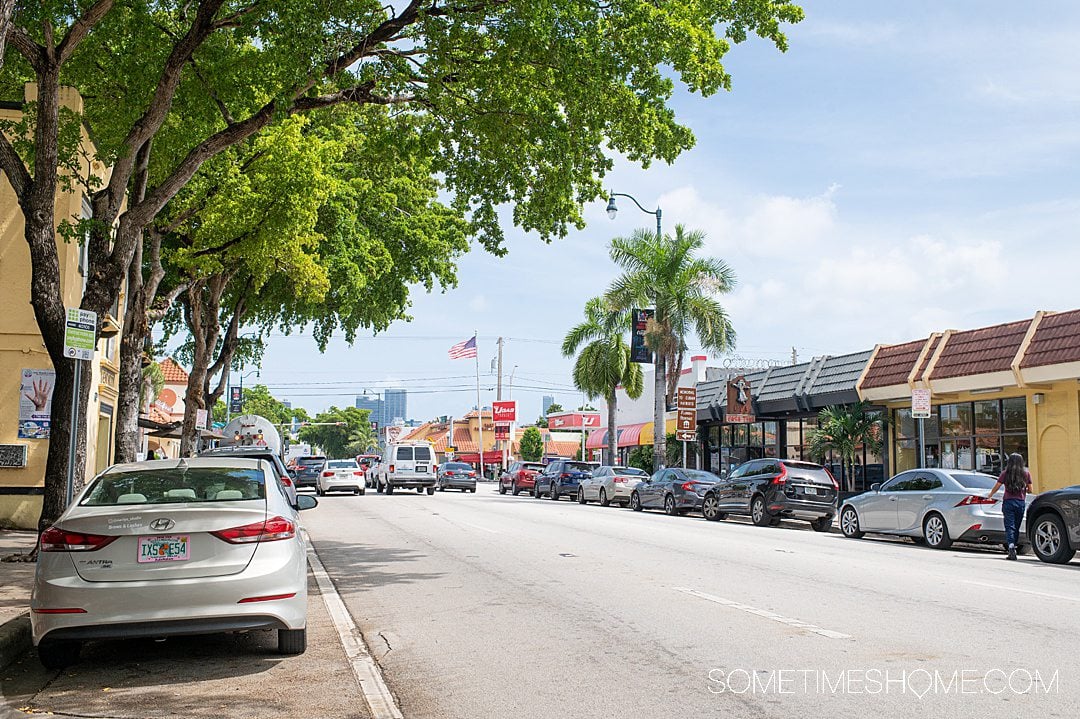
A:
{"x": 639, "y": 351}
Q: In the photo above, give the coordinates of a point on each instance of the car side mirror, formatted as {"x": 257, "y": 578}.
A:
{"x": 306, "y": 501}
{"x": 875, "y": 487}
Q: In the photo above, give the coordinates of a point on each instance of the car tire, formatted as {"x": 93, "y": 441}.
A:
{"x": 553, "y": 494}
{"x": 378, "y": 488}
{"x": 360, "y": 492}
{"x": 936, "y": 531}
{"x": 514, "y": 489}
{"x": 635, "y": 502}
{"x": 430, "y": 490}
{"x": 604, "y": 501}
{"x": 59, "y": 654}
{"x": 849, "y": 523}
{"x": 821, "y": 525}
{"x": 581, "y": 496}
{"x": 502, "y": 487}
{"x": 291, "y": 641}
{"x": 669, "y": 506}
{"x": 318, "y": 492}
{"x": 536, "y": 491}
{"x": 710, "y": 508}
{"x": 389, "y": 488}
{"x": 1050, "y": 540}
{"x": 473, "y": 490}
{"x": 759, "y": 513}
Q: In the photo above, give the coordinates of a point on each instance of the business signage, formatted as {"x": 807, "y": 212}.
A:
{"x": 920, "y": 403}
{"x": 201, "y": 418}
{"x": 80, "y": 334}
{"x": 504, "y": 411}
{"x": 502, "y": 431}
{"x": 574, "y": 420}
{"x": 236, "y": 400}
{"x": 639, "y": 351}
{"x": 740, "y": 401}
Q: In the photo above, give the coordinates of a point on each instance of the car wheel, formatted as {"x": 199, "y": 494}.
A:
{"x": 919, "y": 541}
{"x": 759, "y": 513}
{"x": 378, "y": 488}
{"x": 822, "y": 525}
{"x": 581, "y": 496}
{"x": 291, "y": 641}
{"x": 318, "y": 492}
{"x": 536, "y": 491}
{"x": 936, "y": 531}
{"x": 849, "y": 523}
{"x": 389, "y": 488}
{"x": 604, "y": 501}
{"x": 710, "y": 508}
{"x": 669, "y": 506}
{"x": 514, "y": 489}
{"x": 361, "y": 492}
{"x": 1050, "y": 541}
{"x": 473, "y": 490}
{"x": 59, "y": 654}
{"x": 430, "y": 490}
{"x": 553, "y": 494}
{"x": 502, "y": 487}
{"x": 635, "y": 502}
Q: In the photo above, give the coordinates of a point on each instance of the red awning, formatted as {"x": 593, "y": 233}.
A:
{"x": 491, "y": 456}
{"x": 629, "y": 436}
{"x": 598, "y": 438}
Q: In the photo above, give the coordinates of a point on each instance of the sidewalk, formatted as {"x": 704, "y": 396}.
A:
{"x": 16, "y": 579}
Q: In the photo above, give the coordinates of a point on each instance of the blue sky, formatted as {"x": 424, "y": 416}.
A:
{"x": 903, "y": 168}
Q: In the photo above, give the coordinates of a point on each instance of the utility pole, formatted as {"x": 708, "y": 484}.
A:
{"x": 498, "y": 385}
{"x": 501, "y": 444}
{"x": 794, "y": 356}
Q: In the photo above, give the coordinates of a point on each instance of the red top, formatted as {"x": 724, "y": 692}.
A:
{"x": 1016, "y": 495}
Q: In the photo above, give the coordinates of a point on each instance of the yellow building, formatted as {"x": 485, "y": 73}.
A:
{"x": 25, "y": 386}
{"x": 1013, "y": 387}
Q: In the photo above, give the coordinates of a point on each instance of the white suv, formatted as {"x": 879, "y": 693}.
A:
{"x": 407, "y": 465}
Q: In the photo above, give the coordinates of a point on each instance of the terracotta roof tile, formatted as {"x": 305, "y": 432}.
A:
{"x": 980, "y": 351}
{"x": 1056, "y": 341}
{"x": 174, "y": 373}
{"x": 935, "y": 340}
{"x": 893, "y": 364}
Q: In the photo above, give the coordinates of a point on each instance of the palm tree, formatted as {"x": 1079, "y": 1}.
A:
{"x": 843, "y": 429}
{"x": 604, "y": 363}
{"x": 665, "y": 273}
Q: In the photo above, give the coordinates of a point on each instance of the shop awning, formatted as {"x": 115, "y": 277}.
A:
{"x": 646, "y": 433}
{"x": 490, "y": 457}
{"x": 598, "y": 438}
{"x": 630, "y": 435}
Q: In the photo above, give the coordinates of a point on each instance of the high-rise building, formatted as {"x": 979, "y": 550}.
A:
{"x": 374, "y": 405}
{"x": 395, "y": 405}
{"x": 548, "y": 401}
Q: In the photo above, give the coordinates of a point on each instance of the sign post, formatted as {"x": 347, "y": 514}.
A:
{"x": 80, "y": 333}
{"x": 686, "y": 421}
{"x": 920, "y": 410}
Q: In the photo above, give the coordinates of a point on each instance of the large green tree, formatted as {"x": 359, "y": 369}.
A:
{"x": 603, "y": 363}
{"x": 527, "y": 102}
{"x": 531, "y": 447}
{"x": 340, "y": 432}
{"x": 665, "y": 273}
{"x": 843, "y": 429}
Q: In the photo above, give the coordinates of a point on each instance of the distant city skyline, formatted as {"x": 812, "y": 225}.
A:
{"x": 392, "y": 405}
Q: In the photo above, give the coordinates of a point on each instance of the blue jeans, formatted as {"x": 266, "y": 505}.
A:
{"x": 1013, "y": 510}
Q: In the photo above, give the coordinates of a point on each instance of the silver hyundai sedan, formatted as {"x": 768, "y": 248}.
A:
{"x": 932, "y": 506}
{"x": 172, "y": 547}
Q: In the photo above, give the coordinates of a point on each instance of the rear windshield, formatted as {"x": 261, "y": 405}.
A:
{"x": 456, "y": 465}
{"x": 422, "y": 453}
{"x": 172, "y": 486}
{"x": 404, "y": 453}
{"x": 971, "y": 480}
{"x": 632, "y": 471}
{"x": 535, "y": 466}
{"x": 341, "y": 464}
{"x": 309, "y": 461}
{"x": 580, "y": 466}
{"x": 699, "y": 476}
{"x": 808, "y": 466}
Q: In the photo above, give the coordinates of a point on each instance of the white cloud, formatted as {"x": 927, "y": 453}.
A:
{"x": 478, "y": 303}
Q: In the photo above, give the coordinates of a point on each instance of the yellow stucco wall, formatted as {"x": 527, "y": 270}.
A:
{"x": 21, "y": 346}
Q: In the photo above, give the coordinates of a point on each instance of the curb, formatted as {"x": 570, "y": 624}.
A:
{"x": 14, "y": 639}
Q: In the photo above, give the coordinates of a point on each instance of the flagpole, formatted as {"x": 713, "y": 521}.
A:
{"x": 479, "y": 406}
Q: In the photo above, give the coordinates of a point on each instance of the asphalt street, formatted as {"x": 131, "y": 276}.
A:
{"x": 483, "y": 605}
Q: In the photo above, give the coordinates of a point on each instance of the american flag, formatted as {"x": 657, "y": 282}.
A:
{"x": 464, "y": 349}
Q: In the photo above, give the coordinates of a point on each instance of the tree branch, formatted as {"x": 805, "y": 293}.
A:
{"x": 81, "y": 28}
{"x": 21, "y": 41}
{"x": 15, "y": 169}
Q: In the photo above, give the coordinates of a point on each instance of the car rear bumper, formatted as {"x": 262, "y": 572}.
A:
{"x": 306, "y": 481}
{"x": 337, "y": 486}
{"x": 459, "y": 483}
{"x": 410, "y": 483}
{"x": 165, "y": 607}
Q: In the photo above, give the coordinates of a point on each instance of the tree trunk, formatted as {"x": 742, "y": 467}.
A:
{"x": 659, "y": 411}
{"x": 7, "y": 7}
{"x": 613, "y": 430}
{"x": 131, "y": 380}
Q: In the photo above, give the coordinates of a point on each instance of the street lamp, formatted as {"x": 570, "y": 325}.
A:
{"x": 613, "y": 209}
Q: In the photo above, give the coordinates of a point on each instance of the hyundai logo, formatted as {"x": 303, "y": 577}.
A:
{"x": 162, "y": 524}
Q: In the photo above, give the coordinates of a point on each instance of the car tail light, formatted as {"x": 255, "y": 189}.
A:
{"x": 688, "y": 486}
{"x": 782, "y": 477}
{"x": 619, "y": 480}
{"x": 835, "y": 485}
{"x": 358, "y": 473}
{"x": 449, "y": 473}
{"x": 286, "y": 480}
{"x": 267, "y": 531}
{"x": 975, "y": 499}
{"x": 472, "y": 474}
{"x": 55, "y": 539}
{"x": 65, "y": 610}
{"x": 391, "y": 469}
{"x": 564, "y": 475}
{"x": 267, "y": 598}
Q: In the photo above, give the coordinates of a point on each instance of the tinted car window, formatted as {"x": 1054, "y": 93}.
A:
{"x": 422, "y": 454}
{"x": 630, "y": 471}
{"x": 341, "y": 463}
{"x": 456, "y": 465}
{"x": 971, "y": 480}
{"x": 311, "y": 461}
{"x": 172, "y": 486}
{"x": 700, "y": 476}
{"x": 894, "y": 484}
{"x": 533, "y": 466}
{"x": 579, "y": 466}
{"x": 404, "y": 453}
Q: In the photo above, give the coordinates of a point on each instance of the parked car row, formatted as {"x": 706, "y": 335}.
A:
{"x": 932, "y": 507}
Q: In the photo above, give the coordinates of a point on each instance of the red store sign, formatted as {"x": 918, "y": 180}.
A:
{"x": 574, "y": 420}
{"x": 505, "y": 411}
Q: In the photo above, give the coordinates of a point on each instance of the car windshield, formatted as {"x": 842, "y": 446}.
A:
{"x": 631, "y": 471}
{"x": 971, "y": 480}
{"x": 457, "y": 465}
{"x": 175, "y": 485}
{"x": 533, "y": 466}
{"x": 579, "y": 466}
{"x": 341, "y": 464}
{"x": 310, "y": 461}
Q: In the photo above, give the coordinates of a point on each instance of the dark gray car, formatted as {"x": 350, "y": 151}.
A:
{"x": 675, "y": 490}
{"x": 456, "y": 475}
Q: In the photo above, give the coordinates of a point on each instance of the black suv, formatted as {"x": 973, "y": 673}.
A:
{"x": 266, "y": 453}
{"x": 307, "y": 470}
{"x": 561, "y": 477}
{"x": 773, "y": 489}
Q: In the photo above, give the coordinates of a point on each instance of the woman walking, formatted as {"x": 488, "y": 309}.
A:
{"x": 1017, "y": 483}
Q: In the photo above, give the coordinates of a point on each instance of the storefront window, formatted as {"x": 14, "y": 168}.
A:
{"x": 963, "y": 435}
{"x": 907, "y": 455}
{"x": 988, "y": 417}
{"x": 1014, "y": 411}
{"x": 905, "y": 424}
{"x": 988, "y": 452}
{"x": 956, "y": 419}
{"x": 1015, "y": 443}
{"x": 771, "y": 439}
{"x": 741, "y": 435}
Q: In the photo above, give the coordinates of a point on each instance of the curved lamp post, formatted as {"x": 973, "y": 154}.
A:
{"x": 613, "y": 209}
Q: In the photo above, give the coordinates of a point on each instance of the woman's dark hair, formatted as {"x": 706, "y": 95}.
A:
{"x": 1015, "y": 476}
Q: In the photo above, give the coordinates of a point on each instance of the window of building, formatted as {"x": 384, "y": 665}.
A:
{"x": 963, "y": 435}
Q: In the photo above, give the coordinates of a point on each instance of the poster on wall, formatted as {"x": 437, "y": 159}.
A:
{"x": 35, "y": 403}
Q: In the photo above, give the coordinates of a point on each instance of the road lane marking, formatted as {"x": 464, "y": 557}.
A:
{"x": 377, "y": 695}
{"x": 482, "y": 529}
{"x": 764, "y": 614}
{"x": 1023, "y": 591}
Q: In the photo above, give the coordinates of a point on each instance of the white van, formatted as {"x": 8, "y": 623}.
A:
{"x": 407, "y": 465}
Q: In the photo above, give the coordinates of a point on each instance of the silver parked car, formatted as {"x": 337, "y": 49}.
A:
{"x": 340, "y": 475}
{"x": 932, "y": 506}
{"x": 172, "y": 547}
{"x": 611, "y": 484}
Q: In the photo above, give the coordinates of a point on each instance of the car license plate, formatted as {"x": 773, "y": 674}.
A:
{"x": 421, "y": 468}
{"x": 810, "y": 490}
{"x": 164, "y": 549}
